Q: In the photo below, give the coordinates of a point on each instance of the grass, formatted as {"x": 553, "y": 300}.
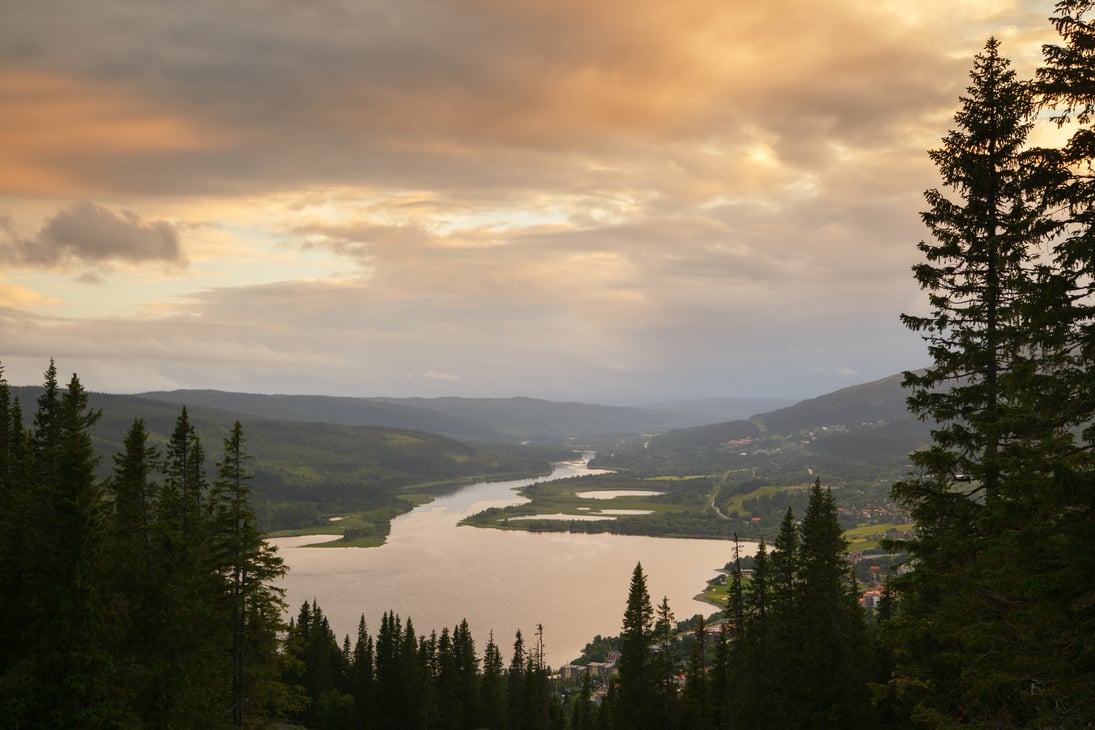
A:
{"x": 717, "y": 593}
{"x": 359, "y": 542}
{"x": 360, "y": 529}
{"x": 868, "y": 537}
{"x": 561, "y": 498}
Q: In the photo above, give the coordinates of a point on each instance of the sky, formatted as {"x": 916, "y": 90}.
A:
{"x": 617, "y": 201}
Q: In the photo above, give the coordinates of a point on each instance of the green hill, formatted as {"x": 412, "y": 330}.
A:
{"x": 306, "y": 472}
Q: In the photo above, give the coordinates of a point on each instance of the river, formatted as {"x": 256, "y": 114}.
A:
{"x": 437, "y": 572}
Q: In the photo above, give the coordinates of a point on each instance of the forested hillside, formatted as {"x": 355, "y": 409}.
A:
{"x": 864, "y": 431}
{"x": 739, "y": 477}
{"x": 306, "y": 472}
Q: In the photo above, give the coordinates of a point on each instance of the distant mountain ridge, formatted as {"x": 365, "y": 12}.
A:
{"x": 497, "y": 420}
{"x": 524, "y": 419}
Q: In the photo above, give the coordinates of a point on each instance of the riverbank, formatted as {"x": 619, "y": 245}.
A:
{"x": 370, "y": 528}
{"x": 436, "y": 572}
{"x": 652, "y": 507}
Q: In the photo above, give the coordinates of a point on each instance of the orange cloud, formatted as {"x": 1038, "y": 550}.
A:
{"x": 20, "y": 296}
{"x": 51, "y": 121}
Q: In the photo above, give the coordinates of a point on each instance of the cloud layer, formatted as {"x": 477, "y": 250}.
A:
{"x": 617, "y": 200}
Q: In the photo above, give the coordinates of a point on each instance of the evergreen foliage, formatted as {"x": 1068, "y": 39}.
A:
{"x": 635, "y": 705}
{"x": 122, "y": 599}
{"x": 993, "y": 618}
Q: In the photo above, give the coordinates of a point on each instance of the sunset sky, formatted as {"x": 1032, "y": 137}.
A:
{"x": 617, "y": 201}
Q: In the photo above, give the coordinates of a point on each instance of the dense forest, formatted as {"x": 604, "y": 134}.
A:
{"x": 147, "y": 600}
{"x": 147, "y": 597}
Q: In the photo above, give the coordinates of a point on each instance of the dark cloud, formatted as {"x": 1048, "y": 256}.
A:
{"x": 85, "y": 233}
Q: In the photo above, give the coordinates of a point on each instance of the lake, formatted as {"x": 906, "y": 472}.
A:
{"x": 437, "y": 572}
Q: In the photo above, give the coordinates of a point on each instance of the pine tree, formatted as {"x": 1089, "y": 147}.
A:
{"x": 834, "y": 663}
{"x": 492, "y": 694}
{"x": 695, "y": 708}
{"x": 15, "y": 547}
{"x": 389, "y": 690}
{"x": 757, "y": 676}
{"x": 134, "y": 493}
{"x": 638, "y": 675}
{"x": 362, "y": 678}
{"x": 1057, "y": 654}
{"x": 248, "y": 565}
{"x": 721, "y": 707}
{"x": 982, "y": 283}
{"x": 665, "y": 665}
{"x": 192, "y": 672}
{"x": 447, "y": 683}
{"x": 784, "y": 632}
{"x": 467, "y": 673}
{"x": 63, "y": 668}
{"x": 1006, "y": 388}
{"x": 130, "y": 570}
{"x": 515, "y": 684}
{"x": 417, "y": 678}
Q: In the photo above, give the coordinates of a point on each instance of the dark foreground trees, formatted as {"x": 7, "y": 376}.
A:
{"x": 400, "y": 678}
{"x": 994, "y": 617}
{"x": 141, "y": 601}
{"x": 803, "y": 657}
{"x": 797, "y": 655}
{"x": 148, "y": 600}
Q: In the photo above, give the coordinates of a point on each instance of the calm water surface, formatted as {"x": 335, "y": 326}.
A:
{"x": 437, "y": 573}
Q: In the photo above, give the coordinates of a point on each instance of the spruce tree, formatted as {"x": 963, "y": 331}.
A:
{"x": 248, "y": 565}
{"x": 783, "y": 636}
{"x": 695, "y": 701}
{"x": 721, "y": 709}
{"x": 389, "y": 682}
{"x": 447, "y": 682}
{"x": 1063, "y": 515}
{"x": 75, "y": 630}
{"x": 515, "y": 684}
{"x": 61, "y": 672}
{"x": 492, "y": 693}
{"x": 976, "y": 637}
{"x": 363, "y": 678}
{"x": 131, "y": 576}
{"x": 835, "y": 658}
{"x": 758, "y": 676}
{"x": 982, "y": 280}
{"x": 638, "y": 674}
{"x": 665, "y": 665}
{"x": 15, "y": 547}
{"x": 193, "y": 673}
{"x": 467, "y": 674}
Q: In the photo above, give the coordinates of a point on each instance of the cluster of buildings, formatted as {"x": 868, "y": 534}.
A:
{"x": 606, "y": 668}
